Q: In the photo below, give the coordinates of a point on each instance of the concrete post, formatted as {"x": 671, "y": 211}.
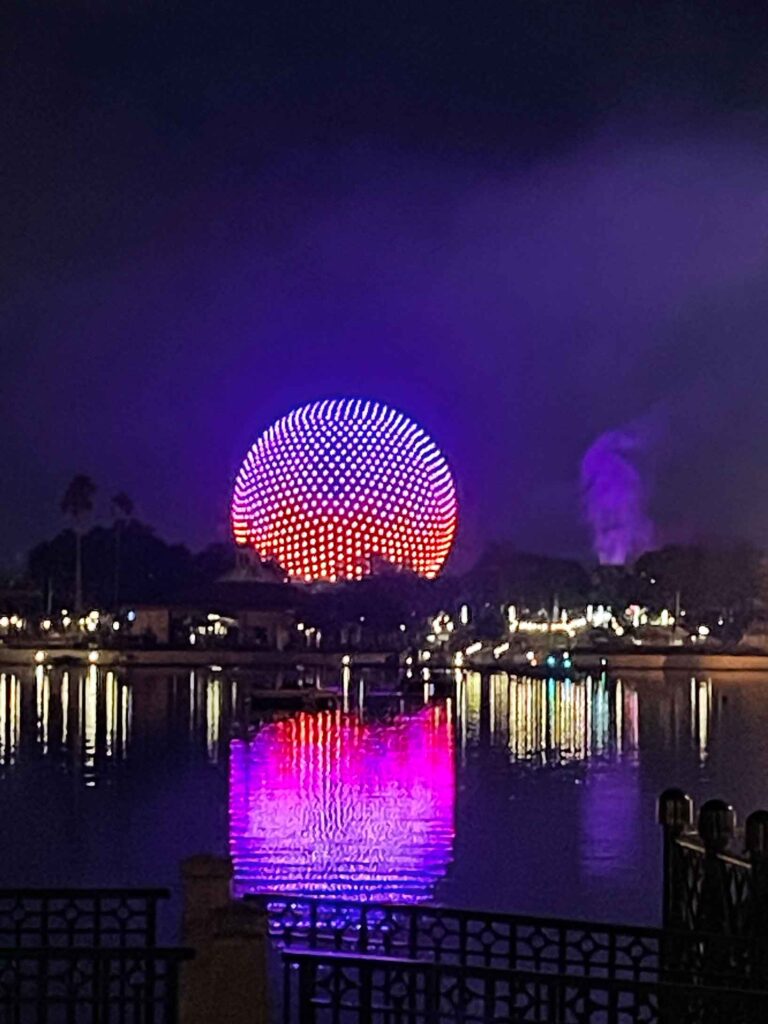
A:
{"x": 228, "y": 981}
{"x": 207, "y": 882}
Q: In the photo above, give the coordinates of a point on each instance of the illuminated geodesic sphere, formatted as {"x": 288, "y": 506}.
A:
{"x": 336, "y": 487}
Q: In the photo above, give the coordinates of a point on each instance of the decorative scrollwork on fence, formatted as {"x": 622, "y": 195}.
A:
{"x": 715, "y": 874}
{"x": 513, "y": 942}
{"x": 351, "y": 989}
{"x": 77, "y": 984}
{"x": 79, "y": 917}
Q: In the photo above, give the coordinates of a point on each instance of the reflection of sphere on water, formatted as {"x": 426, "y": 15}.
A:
{"x": 336, "y": 485}
{"x": 324, "y": 804}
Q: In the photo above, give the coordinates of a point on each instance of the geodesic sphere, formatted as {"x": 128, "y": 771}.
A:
{"x": 337, "y": 487}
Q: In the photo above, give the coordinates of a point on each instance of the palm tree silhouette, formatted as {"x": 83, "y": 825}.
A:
{"x": 122, "y": 510}
{"x": 77, "y": 503}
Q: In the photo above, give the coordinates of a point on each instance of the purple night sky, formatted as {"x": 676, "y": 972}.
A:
{"x": 526, "y": 227}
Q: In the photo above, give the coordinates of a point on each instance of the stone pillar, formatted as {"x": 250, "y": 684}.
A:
{"x": 207, "y": 882}
{"x": 228, "y": 981}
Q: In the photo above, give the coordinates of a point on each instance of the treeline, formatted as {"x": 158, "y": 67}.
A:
{"x": 106, "y": 565}
{"x": 121, "y": 565}
{"x": 128, "y": 562}
{"x": 710, "y": 583}
{"x": 124, "y": 561}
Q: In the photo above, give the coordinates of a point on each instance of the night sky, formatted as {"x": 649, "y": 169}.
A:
{"x": 523, "y": 223}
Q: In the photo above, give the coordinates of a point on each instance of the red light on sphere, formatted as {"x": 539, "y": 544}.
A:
{"x": 335, "y": 486}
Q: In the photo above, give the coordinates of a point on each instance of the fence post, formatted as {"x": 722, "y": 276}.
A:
{"x": 675, "y": 815}
{"x": 756, "y": 848}
{"x": 717, "y": 826}
{"x": 228, "y": 980}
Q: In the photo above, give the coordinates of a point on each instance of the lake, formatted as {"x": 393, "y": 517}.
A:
{"x": 513, "y": 794}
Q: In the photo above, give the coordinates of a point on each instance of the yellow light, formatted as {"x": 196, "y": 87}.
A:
{"x": 93, "y": 657}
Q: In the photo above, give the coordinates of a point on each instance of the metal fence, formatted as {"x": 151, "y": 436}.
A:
{"x": 79, "y": 985}
{"x": 338, "y": 988}
{"x": 79, "y": 917}
{"x": 85, "y": 956}
{"x": 467, "y": 938}
{"x": 715, "y": 874}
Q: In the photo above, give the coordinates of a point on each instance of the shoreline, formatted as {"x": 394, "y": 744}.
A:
{"x": 671, "y": 659}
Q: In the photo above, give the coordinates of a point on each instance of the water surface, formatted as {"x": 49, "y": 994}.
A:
{"x": 504, "y": 793}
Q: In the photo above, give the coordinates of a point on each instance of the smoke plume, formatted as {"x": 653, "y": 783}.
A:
{"x": 616, "y": 480}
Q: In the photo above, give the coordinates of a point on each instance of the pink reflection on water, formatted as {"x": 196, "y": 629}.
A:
{"x": 327, "y": 804}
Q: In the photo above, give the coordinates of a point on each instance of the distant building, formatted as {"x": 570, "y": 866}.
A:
{"x": 250, "y": 606}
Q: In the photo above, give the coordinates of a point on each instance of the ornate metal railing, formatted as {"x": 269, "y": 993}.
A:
{"x": 77, "y": 985}
{"x": 715, "y": 875}
{"x": 79, "y": 917}
{"x": 337, "y": 988}
{"x": 516, "y": 942}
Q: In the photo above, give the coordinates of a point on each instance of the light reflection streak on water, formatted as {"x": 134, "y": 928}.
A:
{"x": 89, "y": 694}
{"x": 126, "y": 717}
{"x": 64, "y": 708}
{"x": 546, "y": 721}
{"x": 346, "y": 675}
{"x": 192, "y": 702}
{"x": 110, "y": 698}
{"x": 537, "y": 720}
{"x": 3, "y": 719}
{"x": 213, "y": 697}
{"x": 701, "y": 715}
{"x": 329, "y": 803}
{"x": 10, "y": 718}
{"x": 42, "y": 704}
{"x": 83, "y": 718}
{"x": 633, "y": 719}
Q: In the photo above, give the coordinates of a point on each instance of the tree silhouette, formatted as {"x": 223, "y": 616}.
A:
{"x": 77, "y": 503}
{"x": 122, "y": 510}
